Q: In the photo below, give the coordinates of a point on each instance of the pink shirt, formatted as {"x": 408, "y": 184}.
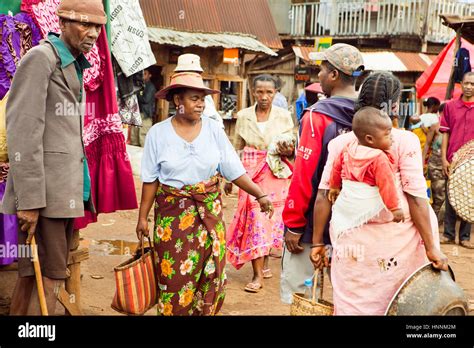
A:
{"x": 371, "y": 166}
{"x": 458, "y": 121}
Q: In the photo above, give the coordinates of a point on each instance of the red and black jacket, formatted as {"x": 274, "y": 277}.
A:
{"x": 320, "y": 123}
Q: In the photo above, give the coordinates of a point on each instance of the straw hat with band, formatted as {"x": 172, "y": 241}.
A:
{"x": 185, "y": 80}
{"x": 85, "y": 11}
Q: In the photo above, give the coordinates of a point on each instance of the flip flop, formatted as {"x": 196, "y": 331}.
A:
{"x": 267, "y": 273}
{"x": 253, "y": 287}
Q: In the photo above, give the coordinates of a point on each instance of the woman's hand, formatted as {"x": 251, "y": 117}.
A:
{"x": 318, "y": 257}
{"x": 446, "y": 168}
{"x": 333, "y": 194}
{"x": 142, "y": 228}
{"x": 228, "y": 188}
{"x": 438, "y": 259}
{"x": 266, "y": 206}
{"x": 285, "y": 150}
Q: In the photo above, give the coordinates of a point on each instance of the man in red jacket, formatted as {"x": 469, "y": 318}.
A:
{"x": 340, "y": 66}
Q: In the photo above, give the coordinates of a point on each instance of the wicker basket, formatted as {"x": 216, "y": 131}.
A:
{"x": 461, "y": 182}
{"x": 302, "y": 306}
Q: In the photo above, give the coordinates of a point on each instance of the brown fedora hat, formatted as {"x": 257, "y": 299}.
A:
{"x": 190, "y": 80}
{"x": 86, "y": 11}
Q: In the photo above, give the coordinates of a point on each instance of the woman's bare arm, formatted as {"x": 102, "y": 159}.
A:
{"x": 147, "y": 200}
{"x": 419, "y": 211}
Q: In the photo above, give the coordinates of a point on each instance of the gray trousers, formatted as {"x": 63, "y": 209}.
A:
{"x": 296, "y": 268}
{"x": 139, "y": 133}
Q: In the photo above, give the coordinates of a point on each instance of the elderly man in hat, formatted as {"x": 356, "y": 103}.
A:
{"x": 49, "y": 183}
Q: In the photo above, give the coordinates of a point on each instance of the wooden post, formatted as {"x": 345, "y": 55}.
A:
{"x": 70, "y": 298}
{"x": 424, "y": 34}
{"x": 457, "y": 45}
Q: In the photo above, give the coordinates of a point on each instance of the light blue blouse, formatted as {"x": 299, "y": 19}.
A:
{"x": 175, "y": 162}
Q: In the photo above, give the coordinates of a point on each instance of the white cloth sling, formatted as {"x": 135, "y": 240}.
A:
{"x": 356, "y": 204}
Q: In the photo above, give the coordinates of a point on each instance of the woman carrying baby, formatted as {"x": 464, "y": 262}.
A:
{"x": 375, "y": 248}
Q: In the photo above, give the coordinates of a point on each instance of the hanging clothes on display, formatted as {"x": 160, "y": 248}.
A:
{"x": 463, "y": 60}
{"x": 43, "y": 12}
{"x": 112, "y": 184}
{"x": 128, "y": 88}
{"x": 12, "y": 6}
{"x": 8, "y": 223}
{"x": 130, "y": 44}
{"x": 18, "y": 35}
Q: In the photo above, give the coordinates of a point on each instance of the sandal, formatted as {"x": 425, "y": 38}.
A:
{"x": 253, "y": 287}
{"x": 267, "y": 273}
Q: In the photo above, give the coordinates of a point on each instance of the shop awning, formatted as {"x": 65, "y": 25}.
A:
{"x": 465, "y": 23}
{"x": 395, "y": 61}
{"x": 185, "y": 39}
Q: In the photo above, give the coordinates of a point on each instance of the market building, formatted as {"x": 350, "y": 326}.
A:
{"x": 227, "y": 35}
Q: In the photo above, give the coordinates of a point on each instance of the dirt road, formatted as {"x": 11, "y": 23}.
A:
{"x": 114, "y": 235}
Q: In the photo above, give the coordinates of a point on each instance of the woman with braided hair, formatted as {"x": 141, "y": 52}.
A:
{"x": 381, "y": 90}
{"x": 371, "y": 260}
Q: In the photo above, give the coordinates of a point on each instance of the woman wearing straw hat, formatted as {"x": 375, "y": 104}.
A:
{"x": 189, "y": 62}
{"x": 181, "y": 159}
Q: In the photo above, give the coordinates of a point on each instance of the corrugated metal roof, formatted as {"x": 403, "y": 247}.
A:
{"x": 415, "y": 61}
{"x": 185, "y": 39}
{"x": 251, "y": 17}
{"x": 382, "y": 60}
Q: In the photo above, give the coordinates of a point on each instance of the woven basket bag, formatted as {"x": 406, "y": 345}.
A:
{"x": 316, "y": 306}
{"x": 461, "y": 182}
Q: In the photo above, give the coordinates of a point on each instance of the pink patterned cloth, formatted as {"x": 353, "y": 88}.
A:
{"x": 252, "y": 234}
{"x": 43, "y": 13}
{"x": 369, "y": 263}
{"x": 112, "y": 184}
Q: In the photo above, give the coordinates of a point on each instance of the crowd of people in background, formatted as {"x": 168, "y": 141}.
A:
{"x": 343, "y": 149}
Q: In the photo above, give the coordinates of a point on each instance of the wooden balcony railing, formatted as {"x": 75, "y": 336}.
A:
{"x": 373, "y": 18}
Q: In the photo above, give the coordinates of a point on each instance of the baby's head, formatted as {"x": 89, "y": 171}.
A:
{"x": 373, "y": 128}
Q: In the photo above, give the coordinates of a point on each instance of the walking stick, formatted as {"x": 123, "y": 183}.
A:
{"x": 39, "y": 279}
